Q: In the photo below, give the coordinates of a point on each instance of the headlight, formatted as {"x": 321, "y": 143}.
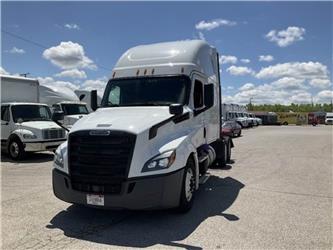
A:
{"x": 29, "y": 136}
{"x": 159, "y": 162}
{"x": 58, "y": 159}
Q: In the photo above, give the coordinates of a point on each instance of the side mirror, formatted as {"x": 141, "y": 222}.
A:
{"x": 57, "y": 116}
{"x": 93, "y": 100}
{"x": 176, "y": 109}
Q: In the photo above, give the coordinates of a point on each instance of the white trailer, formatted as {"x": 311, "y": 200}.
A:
{"x": 26, "y": 124}
{"x": 155, "y": 135}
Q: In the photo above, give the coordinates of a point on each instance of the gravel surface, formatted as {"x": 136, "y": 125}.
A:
{"x": 277, "y": 194}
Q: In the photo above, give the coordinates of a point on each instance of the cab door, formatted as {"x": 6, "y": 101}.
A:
{"x": 5, "y": 123}
{"x": 197, "y": 95}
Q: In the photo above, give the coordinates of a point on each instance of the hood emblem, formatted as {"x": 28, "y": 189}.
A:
{"x": 100, "y": 132}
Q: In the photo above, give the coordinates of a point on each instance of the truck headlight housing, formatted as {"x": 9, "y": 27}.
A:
{"x": 29, "y": 136}
{"x": 159, "y": 162}
{"x": 58, "y": 159}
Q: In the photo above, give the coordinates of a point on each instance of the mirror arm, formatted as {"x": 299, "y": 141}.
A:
{"x": 59, "y": 124}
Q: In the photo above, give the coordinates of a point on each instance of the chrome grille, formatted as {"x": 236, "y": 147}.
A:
{"x": 53, "y": 134}
{"x": 99, "y": 163}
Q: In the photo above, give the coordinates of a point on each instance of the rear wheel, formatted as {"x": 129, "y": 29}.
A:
{"x": 188, "y": 187}
{"x": 285, "y": 123}
{"x": 16, "y": 149}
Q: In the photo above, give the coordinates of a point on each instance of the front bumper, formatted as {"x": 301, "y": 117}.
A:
{"x": 329, "y": 122}
{"x": 42, "y": 145}
{"x": 144, "y": 193}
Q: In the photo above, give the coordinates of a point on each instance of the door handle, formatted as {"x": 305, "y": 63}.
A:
{"x": 6, "y": 123}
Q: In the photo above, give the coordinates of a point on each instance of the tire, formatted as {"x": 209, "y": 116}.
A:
{"x": 188, "y": 187}
{"x": 285, "y": 123}
{"x": 239, "y": 134}
{"x": 16, "y": 149}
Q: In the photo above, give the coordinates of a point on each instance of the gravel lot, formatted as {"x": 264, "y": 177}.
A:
{"x": 277, "y": 194}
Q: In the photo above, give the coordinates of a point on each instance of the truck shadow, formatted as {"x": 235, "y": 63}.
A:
{"x": 30, "y": 158}
{"x": 144, "y": 229}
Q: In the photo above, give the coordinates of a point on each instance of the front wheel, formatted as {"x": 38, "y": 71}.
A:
{"x": 16, "y": 149}
{"x": 188, "y": 187}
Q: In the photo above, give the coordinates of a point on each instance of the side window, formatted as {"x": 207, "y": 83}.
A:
{"x": 198, "y": 94}
{"x": 209, "y": 95}
{"x": 5, "y": 113}
{"x": 56, "y": 107}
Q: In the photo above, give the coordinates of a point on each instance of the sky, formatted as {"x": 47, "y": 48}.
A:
{"x": 270, "y": 52}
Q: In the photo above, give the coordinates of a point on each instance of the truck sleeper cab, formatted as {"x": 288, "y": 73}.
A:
{"x": 73, "y": 111}
{"x": 156, "y": 133}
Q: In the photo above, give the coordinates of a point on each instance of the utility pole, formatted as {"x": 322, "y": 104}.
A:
{"x": 250, "y": 104}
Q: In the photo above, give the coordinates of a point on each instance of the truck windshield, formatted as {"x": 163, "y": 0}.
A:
{"x": 153, "y": 91}
{"x": 31, "y": 113}
{"x": 74, "y": 109}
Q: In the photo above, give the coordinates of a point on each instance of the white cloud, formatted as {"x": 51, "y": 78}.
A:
{"x": 302, "y": 70}
{"x": 230, "y": 88}
{"x": 266, "y": 58}
{"x": 53, "y": 82}
{"x": 98, "y": 84}
{"x": 320, "y": 83}
{"x": 247, "y": 86}
{"x": 289, "y": 83}
{"x": 325, "y": 96}
{"x": 72, "y": 26}
{"x": 244, "y": 60}
{"x": 68, "y": 55}
{"x": 15, "y": 50}
{"x": 284, "y": 38}
{"x": 239, "y": 70}
{"x": 72, "y": 73}
{"x": 224, "y": 59}
{"x": 3, "y": 71}
{"x": 201, "y": 36}
{"x": 213, "y": 24}
{"x": 302, "y": 97}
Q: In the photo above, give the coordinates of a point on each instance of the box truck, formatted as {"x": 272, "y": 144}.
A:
{"x": 154, "y": 136}
{"x": 64, "y": 99}
{"x": 26, "y": 124}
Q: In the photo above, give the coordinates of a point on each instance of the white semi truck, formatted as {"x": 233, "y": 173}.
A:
{"x": 26, "y": 124}
{"x": 65, "y": 100}
{"x": 155, "y": 135}
{"x": 231, "y": 112}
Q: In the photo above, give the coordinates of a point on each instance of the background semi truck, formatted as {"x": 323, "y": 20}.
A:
{"x": 26, "y": 124}
{"x": 155, "y": 135}
{"x": 63, "y": 99}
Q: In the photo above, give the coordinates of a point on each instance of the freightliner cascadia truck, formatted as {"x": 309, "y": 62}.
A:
{"x": 157, "y": 131}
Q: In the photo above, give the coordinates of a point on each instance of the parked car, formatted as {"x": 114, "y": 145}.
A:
{"x": 231, "y": 128}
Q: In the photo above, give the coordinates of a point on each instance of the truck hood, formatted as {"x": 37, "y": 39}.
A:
{"x": 130, "y": 119}
{"x": 38, "y": 125}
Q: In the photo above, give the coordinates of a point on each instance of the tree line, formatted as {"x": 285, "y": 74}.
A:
{"x": 326, "y": 107}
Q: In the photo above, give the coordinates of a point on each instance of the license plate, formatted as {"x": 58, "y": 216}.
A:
{"x": 95, "y": 199}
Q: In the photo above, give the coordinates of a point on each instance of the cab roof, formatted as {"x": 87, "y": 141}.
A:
{"x": 195, "y": 53}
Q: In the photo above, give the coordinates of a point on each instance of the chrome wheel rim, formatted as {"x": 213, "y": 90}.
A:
{"x": 189, "y": 184}
{"x": 14, "y": 149}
